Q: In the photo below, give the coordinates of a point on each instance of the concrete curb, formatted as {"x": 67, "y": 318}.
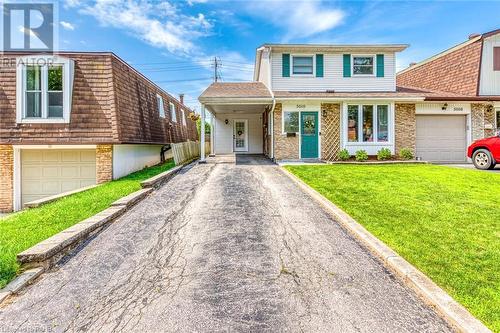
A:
{"x": 21, "y": 281}
{"x": 133, "y": 198}
{"x": 454, "y": 313}
{"x": 36, "y": 203}
{"x": 160, "y": 178}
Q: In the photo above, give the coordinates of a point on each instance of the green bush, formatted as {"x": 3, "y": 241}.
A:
{"x": 344, "y": 155}
{"x": 406, "y": 154}
{"x": 361, "y": 155}
{"x": 384, "y": 154}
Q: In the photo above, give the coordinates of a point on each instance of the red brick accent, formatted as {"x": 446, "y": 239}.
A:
{"x": 456, "y": 72}
{"x": 104, "y": 163}
{"x": 6, "y": 178}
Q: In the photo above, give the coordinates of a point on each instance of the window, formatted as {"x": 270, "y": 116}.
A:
{"x": 352, "y": 123}
{"x": 44, "y": 89}
{"x": 303, "y": 65}
{"x": 173, "y": 114}
{"x": 497, "y": 118}
{"x": 362, "y": 65}
{"x": 161, "y": 110}
{"x": 290, "y": 122}
{"x": 368, "y": 123}
{"x": 183, "y": 114}
{"x": 496, "y": 58}
{"x": 382, "y": 123}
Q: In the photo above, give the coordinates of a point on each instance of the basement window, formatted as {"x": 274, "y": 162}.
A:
{"x": 44, "y": 88}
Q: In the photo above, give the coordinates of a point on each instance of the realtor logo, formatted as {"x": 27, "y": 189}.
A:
{"x": 28, "y": 26}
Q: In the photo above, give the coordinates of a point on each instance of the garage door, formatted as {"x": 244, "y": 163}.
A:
{"x": 48, "y": 172}
{"x": 441, "y": 138}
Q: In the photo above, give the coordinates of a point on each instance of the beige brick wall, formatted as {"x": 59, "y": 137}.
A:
{"x": 405, "y": 127}
{"x": 6, "y": 178}
{"x": 104, "y": 163}
{"x": 482, "y": 115}
{"x": 330, "y": 131}
{"x": 285, "y": 148}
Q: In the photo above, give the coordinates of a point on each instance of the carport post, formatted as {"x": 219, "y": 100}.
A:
{"x": 202, "y": 134}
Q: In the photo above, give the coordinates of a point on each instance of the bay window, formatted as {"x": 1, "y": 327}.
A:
{"x": 44, "y": 89}
{"x": 367, "y": 123}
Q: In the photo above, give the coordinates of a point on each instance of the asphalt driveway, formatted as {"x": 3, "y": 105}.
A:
{"x": 222, "y": 247}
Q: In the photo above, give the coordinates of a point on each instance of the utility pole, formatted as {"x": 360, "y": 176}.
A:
{"x": 216, "y": 69}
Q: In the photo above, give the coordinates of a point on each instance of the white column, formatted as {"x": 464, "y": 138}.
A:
{"x": 202, "y": 134}
{"x": 212, "y": 135}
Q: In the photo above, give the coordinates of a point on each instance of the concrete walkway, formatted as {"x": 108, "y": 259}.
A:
{"x": 222, "y": 247}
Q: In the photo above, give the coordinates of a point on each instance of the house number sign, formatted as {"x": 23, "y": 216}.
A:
{"x": 301, "y": 106}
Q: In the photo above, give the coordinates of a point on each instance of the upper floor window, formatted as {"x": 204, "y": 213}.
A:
{"x": 161, "y": 109}
{"x": 44, "y": 89}
{"x": 173, "y": 114}
{"x": 368, "y": 123}
{"x": 363, "y": 65}
{"x": 302, "y": 65}
{"x": 496, "y": 58}
{"x": 183, "y": 115}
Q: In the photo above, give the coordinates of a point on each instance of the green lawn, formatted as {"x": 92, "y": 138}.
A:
{"x": 20, "y": 231}
{"x": 443, "y": 220}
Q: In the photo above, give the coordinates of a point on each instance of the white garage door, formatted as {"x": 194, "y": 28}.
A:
{"x": 441, "y": 138}
{"x": 48, "y": 172}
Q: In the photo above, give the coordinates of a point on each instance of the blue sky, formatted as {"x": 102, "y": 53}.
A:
{"x": 172, "y": 42}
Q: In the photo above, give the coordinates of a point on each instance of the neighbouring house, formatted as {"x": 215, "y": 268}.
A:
{"x": 311, "y": 101}
{"x": 79, "y": 118}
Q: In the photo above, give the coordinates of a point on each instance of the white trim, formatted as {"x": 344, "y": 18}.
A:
{"x": 313, "y": 56}
{"x": 44, "y": 60}
{"x": 16, "y": 193}
{"x": 373, "y": 56}
{"x": 55, "y": 146}
{"x": 245, "y": 149}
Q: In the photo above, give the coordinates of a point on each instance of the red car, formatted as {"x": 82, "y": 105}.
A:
{"x": 485, "y": 153}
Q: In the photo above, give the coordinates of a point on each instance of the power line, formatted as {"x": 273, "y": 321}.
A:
{"x": 185, "y": 80}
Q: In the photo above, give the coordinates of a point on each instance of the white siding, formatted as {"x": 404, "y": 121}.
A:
{"x": 130, "y": 158}
{"x": 333, "y": 77}
{"x": 264, "y": 68}
{"x": 437, "y": 108}
{"x": 489, "y": 79}
{"x": 224, "y": 133}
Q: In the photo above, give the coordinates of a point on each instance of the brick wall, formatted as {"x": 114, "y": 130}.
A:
{"x": 104, "y": 163}
{"x": 482, "y": 116}
{"x": 405, "y": 127}
{"x": 6, "y": 178}
{"x": 330, "y": 131}
{"x": 456, "y": 72}
{"x": 284, "y": 147}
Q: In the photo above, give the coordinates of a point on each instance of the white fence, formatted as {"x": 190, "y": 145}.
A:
{"x": 186, "y": 151}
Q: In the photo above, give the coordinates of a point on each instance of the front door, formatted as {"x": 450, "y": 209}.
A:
{"x": 240, "y": 135}
{"x": 309, "y": 134}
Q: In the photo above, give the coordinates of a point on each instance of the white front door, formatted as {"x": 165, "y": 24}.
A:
{"x": 240, "y": 135}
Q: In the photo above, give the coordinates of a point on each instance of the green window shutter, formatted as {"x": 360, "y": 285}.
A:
{"x": 286, "y": 65}
{"x": 319, "y": 65}
{"x": 347, "y": 65}
{"x": 380, "y": 65}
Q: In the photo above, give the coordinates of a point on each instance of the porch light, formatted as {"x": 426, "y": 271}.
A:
{"x": 445, "y": 106}
{"x": 226, "y": 121}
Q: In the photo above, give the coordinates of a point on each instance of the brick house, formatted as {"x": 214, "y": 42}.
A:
{"x": 79, "y": 118}
{"x": 311, "y": 101}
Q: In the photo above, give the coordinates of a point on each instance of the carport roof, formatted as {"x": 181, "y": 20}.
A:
{"x": 236, "y": 90}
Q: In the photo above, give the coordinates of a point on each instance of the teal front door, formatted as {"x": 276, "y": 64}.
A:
{"x": 309, "y": 134}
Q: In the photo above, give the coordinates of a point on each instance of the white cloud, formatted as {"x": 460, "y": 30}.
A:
{"x": 298, "y": 18}
{"x": 67, "y": 25}
{"x": 159, "y": 24}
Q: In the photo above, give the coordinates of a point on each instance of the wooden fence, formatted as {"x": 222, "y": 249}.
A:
{"x": 186, "y": 151}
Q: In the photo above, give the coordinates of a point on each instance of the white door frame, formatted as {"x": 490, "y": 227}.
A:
{"x": 245, "y": 149}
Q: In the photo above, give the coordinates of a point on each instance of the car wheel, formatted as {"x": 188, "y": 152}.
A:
{"x": 482, "y": 159}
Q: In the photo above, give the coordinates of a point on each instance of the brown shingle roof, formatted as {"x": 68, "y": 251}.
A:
{"x": 236, "y": 90}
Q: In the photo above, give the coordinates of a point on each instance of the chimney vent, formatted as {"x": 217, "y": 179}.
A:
{"x": 412, "y": 64}
{"x": 474, "y": 35}
{"x": 181, "y": 98}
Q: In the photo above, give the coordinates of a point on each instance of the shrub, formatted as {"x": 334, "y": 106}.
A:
{"x": 361, "y": 155}
{"x": 344, "y": 155}
{"x": 384, "y": 154}
{"x": 406, "y": 154}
